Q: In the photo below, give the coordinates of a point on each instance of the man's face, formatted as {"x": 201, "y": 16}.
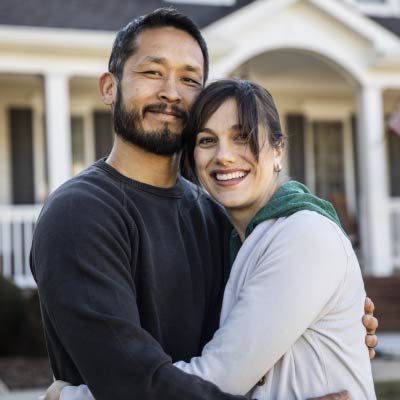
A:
{"x": 158, "y": 86}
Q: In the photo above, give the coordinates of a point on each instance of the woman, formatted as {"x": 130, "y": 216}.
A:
{"x": 290, "y": 255}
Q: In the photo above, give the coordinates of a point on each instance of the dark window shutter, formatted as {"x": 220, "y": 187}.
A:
{"x": 103, "y": 133}
{"x": 394, "y": 164}
{"x": 20, "y": 123}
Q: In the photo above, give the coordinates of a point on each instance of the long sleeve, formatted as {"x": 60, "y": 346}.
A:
{"x": 81, "y": 258}
{"x": 294, "y": 275}
{"x": 80, "y": 392}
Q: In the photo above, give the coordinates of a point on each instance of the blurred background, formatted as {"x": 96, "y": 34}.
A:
{"x": 333, "y": 67}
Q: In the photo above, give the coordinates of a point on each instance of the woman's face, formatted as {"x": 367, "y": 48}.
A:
{"x": 226, "y": 166}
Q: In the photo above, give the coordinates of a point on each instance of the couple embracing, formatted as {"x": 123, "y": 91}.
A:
{"x": 151, "y": 290}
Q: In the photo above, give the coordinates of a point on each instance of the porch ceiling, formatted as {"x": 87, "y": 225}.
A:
{"x": 295, "y": 71}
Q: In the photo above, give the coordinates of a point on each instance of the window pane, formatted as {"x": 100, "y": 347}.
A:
{"x": 78, "y": 145}
{"x": 295, "y": 133}
{"x": 329, "y": 163}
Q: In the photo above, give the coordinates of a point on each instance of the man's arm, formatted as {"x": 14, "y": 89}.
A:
{"x": 61, "y": 390}
{"x": 81, "y": 261}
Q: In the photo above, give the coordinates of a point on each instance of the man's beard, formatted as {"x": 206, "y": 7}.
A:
{"x": 128, "y": 125}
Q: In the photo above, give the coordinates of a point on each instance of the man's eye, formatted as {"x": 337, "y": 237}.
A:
{"x": 191, "y": 81}
{"x": 154, "y": 73}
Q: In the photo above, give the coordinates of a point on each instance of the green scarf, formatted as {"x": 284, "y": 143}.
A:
{"x": 290, "y": 198}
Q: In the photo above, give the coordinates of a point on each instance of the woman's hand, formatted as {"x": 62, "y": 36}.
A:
{"x": 53, "y": 392}
{"x": 371, "y": 325}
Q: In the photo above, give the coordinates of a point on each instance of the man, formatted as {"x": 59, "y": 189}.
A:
{"x": 129, "y": 258}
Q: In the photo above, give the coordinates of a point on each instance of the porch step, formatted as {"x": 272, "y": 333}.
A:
{"x": 385, "y": 293}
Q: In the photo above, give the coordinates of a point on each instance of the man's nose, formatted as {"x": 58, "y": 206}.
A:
{"x": 169, "y": 91}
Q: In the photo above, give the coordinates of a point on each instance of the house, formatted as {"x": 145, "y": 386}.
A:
{"x": 333, "y": 67}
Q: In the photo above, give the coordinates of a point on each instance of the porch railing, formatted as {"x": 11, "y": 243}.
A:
{"x": 395, "y": 233}
{"x": 16, "y": 230}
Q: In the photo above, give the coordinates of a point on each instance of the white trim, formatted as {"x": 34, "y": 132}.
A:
{"x": 309, "y": 154}
{"x": 374, "y": 199}
{"x": 58, "y": 129}
{"x": 58, "y": 38}
{"x": 204, "y": 2}
{"x": 5, "y": 156}
{"x": 390, "y": 8}
{"x": 349, "y": 166}
{"x": 381, "y": 38}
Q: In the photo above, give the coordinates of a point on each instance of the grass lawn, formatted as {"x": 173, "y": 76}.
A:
{"x": 388, "y": 390}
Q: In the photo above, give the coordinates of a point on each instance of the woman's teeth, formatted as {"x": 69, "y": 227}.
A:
{"x": 232, "y": 175}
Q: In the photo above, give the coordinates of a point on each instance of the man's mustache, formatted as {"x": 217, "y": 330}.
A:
{"x": 162, "y": 107}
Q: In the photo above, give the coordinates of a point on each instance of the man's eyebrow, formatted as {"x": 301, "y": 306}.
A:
{"x": 157, "y": 60}
{"x": 191, "y": 68}
{"x": 164, "y": 61}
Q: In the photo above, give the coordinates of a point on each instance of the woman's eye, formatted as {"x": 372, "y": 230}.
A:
{"x": 205, "y": 141}
{"x": 242, "y": 137}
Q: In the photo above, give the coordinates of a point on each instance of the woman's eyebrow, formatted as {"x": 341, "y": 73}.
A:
{"x": 206, "y": 130}
{"x": 235, "y": 128}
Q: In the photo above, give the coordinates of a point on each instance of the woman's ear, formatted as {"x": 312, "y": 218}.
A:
{"x": 108, "y": 88}
{"x": 278, "y": 152}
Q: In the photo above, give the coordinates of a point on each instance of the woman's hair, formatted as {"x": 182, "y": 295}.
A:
{"x": 255, "y": 106}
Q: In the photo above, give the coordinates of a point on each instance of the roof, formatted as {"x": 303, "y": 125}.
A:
{"x": 100, "y": 14}
{"x": 111, "y": 16}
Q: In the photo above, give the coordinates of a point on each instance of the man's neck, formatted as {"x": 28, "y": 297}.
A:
{"x": 142, "y": 166}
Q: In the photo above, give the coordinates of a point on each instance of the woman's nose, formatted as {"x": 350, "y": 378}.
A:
{"x": 225, "y": 156}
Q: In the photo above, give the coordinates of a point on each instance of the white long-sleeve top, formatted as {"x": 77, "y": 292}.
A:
{"x": 291, "y": 312}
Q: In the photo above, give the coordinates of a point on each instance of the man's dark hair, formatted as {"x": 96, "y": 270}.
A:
{"x": 125, "y": 42}
{"x": 255, "y": 106}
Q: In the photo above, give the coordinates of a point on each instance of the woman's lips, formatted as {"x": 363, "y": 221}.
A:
{"x": 228, "y": 178}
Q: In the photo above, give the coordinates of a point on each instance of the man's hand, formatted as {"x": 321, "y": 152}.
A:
{"x": 54, "y": 391}
{"x": 371, "y": 325}
{"x": 334, "y": 396}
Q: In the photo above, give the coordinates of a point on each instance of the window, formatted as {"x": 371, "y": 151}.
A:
{"x": 295, "y": 127}
{"x": 394, "y": 164}
{"x": 77, "y": 144}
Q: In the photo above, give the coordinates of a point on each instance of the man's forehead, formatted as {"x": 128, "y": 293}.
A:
{"x": 167, "y": 42}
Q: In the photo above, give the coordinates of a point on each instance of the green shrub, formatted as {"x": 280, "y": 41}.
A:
{"x": 21, "y": 330}
{"x": 32, "y": 343}
{"x": 12, "y": 315}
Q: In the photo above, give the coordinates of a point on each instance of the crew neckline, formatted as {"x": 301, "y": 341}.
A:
{"x": 173, "y": 191}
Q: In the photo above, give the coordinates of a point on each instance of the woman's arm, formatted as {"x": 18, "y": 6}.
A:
{"x": 294, "y": 279}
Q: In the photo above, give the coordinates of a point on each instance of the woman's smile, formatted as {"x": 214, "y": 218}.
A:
{"x": 229, "y": 177}
{"x": 227, "y": 166}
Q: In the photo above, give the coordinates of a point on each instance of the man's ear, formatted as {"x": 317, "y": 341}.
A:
{"x": 108, "y": 88}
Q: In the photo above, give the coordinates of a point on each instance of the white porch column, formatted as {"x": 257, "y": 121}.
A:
{"x": 58, "y": 129}
{"x": 374, "y": 216}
